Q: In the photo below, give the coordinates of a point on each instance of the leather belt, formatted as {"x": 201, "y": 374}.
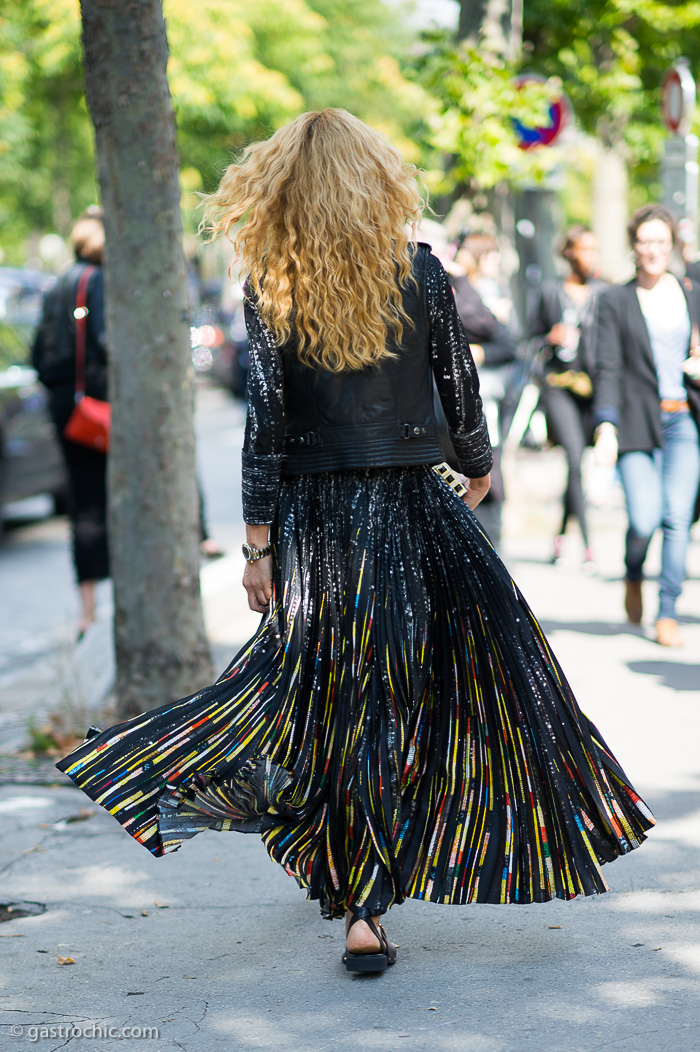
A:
{"x": 674, "y": 405}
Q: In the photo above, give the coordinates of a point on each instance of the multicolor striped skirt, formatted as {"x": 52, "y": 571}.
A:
{"x": 397, "y": 727}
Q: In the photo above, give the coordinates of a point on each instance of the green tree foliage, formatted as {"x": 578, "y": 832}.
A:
{"x": 349, "y": 55}
{"x": 237, "y": 71}
{"x": 611, "y": 56}
{"x": 46, "y": 167}
{"x": 472, "y": 126}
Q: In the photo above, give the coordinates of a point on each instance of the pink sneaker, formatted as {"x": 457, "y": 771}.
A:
{"x": 558, "y": 550}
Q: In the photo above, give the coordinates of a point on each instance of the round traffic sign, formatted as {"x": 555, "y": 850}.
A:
{"x": 678, "y": 98}
{"x": 531, "y": 136}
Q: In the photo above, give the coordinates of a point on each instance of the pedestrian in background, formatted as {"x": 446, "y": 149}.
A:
{"x": 648, "y": 410}
{"x": 562, "y": 317}
{"x": 54, "y": 358}
{"x": 484, "y": 267}
{"x": 486, "y": 313}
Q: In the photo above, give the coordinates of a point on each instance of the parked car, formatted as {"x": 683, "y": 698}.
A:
{"x": 207, "y": 337}
{"x": 220, "y": 347}
{"x": 30, "y": 457}
{"x": 231, "y": 369}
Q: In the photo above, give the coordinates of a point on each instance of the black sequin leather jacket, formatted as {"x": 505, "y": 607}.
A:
{"x": 307, "y": 420}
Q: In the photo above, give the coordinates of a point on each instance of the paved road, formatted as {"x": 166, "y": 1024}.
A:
{"x": 39, "y": 605}
{"x": 39, "y": 662}
{"x": 217, "y": 948}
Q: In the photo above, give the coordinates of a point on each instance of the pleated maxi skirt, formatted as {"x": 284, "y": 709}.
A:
{"x": 397, "y": 727}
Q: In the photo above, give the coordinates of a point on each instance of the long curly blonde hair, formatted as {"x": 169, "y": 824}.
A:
{"x": 327, "y": 209}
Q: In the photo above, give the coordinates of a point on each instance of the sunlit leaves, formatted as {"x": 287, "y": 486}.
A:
{"x": 611, "y": 56}
{"x": 477, "y": 101}
{"x": 237, "y": 71}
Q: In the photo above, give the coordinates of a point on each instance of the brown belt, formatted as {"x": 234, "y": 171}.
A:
{"x": 674, "y": 405}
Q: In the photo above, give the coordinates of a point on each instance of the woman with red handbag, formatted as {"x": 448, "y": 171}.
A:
{"x": 70, "y": 356}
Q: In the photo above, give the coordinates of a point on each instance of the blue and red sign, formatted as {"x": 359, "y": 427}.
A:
{"x": 529, "y": 137}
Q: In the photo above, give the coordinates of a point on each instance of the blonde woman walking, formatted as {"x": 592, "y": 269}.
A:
{"x": 398, "y": 726}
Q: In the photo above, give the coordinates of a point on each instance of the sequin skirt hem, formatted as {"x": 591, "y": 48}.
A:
{"x": 398, "y": 726}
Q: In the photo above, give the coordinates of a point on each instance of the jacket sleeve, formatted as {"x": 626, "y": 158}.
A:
{"x": 97, "y": 337}
{"x": 478, "y": 321}
{"x": 455, "y": 375}
{"x": 543, "y": 311}
{"x": 40, "y": 352}
{"x": 37, "y": 351}
{"x": 608, "y": 362}
{"x": 502, "y": 348}
{"x": 264, "y": 428}
{"x": 588, "y": 327}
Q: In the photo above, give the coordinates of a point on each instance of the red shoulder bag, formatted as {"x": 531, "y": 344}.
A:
{"x": 91, "y": 419}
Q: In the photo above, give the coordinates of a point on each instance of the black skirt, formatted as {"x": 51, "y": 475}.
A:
{"x": 397, "y": 727}
{"x": 86, "y": 469}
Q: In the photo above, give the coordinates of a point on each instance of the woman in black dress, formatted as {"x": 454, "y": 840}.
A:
{"x": 494, "y": 349}
{"x": 398, "y": 725}
{"x": 562, "y": 317}
{"x": 53, "y": 356}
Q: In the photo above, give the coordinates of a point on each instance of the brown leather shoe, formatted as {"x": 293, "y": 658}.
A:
{"x": 667, "y": 634}
{"x": 633, "y": 601}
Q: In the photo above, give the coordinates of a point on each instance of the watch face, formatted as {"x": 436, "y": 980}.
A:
{"x": 253, "y": 554}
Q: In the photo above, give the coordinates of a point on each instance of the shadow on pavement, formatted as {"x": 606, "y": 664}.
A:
{"x": 608, "y": 628}
{"x": 671, "y": 674}
{"x": 223, "y": 953}
{"x": 592, "y": 628}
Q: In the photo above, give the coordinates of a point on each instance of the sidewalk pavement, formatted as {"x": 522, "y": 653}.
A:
{"x": 217, "y": 948}
{"x": 75, "y": 680}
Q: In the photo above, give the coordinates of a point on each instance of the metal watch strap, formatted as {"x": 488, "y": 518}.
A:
{"x": 257, "y": 553}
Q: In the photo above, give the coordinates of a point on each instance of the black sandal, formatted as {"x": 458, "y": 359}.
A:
{"x": 370, "y": 962}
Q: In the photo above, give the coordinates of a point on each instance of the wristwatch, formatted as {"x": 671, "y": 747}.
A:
{"x": 253, "y": 554}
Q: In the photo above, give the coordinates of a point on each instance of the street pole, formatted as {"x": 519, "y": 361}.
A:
{"x": 537, "y": 212}
{"x": 679, "y": 169}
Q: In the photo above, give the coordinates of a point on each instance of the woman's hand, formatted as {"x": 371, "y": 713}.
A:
{"x": 476, "y": 489}
{"x": 257, "y": 577}
{"x": 691, "y": 366}
{"x": 606, "y": 447}
{"x": 561, "y": 335}
{"x": 478, "y": 355}
{"x": 257, "y": 581}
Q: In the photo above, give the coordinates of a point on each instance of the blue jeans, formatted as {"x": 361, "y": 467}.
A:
{"x": 660, "y": 490}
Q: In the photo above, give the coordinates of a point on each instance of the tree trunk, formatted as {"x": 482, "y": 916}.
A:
{"x": 496, "y": 23}
{"x": 161, "y": 648}
{"x": 537, "y": 220}
{"x": 610, "y": 214}
{"x": 471, "y": 18}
